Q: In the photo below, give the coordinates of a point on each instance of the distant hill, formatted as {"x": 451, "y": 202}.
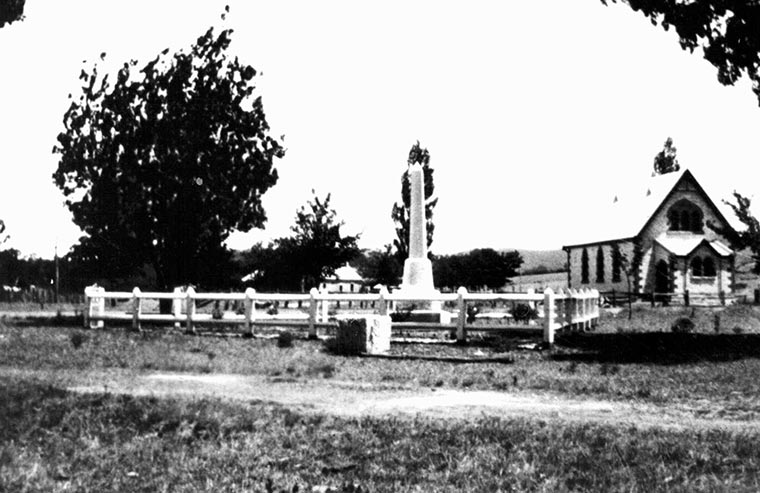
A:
{"x": 552, "y": 260}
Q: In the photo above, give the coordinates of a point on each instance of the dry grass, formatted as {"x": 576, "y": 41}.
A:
{"x": 52, "y": 440}
{"x": 690, "y": 369}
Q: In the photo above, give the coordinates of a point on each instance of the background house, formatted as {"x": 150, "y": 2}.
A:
{"x": 345, "y": 280}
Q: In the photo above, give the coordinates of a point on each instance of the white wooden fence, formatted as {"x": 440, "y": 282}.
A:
{"x": 560, "y": 310}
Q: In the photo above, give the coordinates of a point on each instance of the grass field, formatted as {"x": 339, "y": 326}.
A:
{"x": 57, "y": 441}
{"x": 53, "y": 440}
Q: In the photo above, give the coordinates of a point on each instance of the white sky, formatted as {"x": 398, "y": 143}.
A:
{"x": 531, "y": 111}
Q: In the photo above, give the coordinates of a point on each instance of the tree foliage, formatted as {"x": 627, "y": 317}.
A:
{"x": 380, "y": 267}
{"x": 400, "y": 212}
{"x": 726, "y": 30}
{"x": 303, "y": 260}
{"x": 3, "y": 237}
{"x": 665, "y": 161}
{"x": 161, "y": 165}
{"x": 11, "y": 11}
{"x": 630, "y": 266}
{"x": 750, "y": 237}
{"x": 476, "y": 269}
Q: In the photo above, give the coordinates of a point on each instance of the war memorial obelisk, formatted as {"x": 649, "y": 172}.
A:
{"x": 418, "y": 270}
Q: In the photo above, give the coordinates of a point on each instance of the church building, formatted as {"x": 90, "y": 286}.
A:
{"x": 665, "y": 231}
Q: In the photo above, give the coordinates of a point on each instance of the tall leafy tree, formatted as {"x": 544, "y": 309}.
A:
{"x": 160, "y": 165}
{"x": 726, "y": 30}
{"x": 665, "y": 161}
{"x": 400, "y": 212}
{"x": 11, "y": 11}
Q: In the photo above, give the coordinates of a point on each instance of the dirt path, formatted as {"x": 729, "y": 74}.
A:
{"x": 356, "y": 399}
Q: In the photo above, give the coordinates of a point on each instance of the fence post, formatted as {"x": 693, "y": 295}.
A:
{"x": 597, "y": 299}
{"x": 462, "y": 315}
{"x": 532, "y": 304}
{"x": 97, "y": 307}
{"x": 177, "y": 307}
{"x": 136, "y": 309}
{"x": 559, "y": 306}
{"x": 87, "y": 306}
{"x": 382, "y": 309}
{"x": 190, "y": 294}
{"x": 549, "y": 312}
{"x": 325, "y": 312}
{"x": 686, "y": 297}
{"x": 571, "y": 308}
{"x": 722, "y": 296}
{"x": 313, "y": 292}
{"x": 588, "y": 309}
{"x": 249, "y": 310}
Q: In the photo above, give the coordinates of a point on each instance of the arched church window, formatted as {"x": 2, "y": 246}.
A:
{"x": 696, "y": 221}
{"x": 685, "y": 220}
{"x": 708, "y": 267}
{"x": 617, "y": 263}
{"x": 685, "y": 216}
{"x": 674, "y": 219}
{"x": 584, "y": 266}
{"x": 696, "y": 266}
{"x": 599, "y": 264}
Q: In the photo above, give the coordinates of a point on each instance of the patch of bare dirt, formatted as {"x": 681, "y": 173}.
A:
{"x": 352, "y": 399}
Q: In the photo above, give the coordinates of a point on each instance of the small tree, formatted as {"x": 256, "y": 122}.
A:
{"x": 400, "y": 212}
{"x": 750, "y": 237}
{"x": 630, "y": 267}
{"x": 665, "y": 161}
{"x": 380, "y": 267}
{"x": 317, "y": 247}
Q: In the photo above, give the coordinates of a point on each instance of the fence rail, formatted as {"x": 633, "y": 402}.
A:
{"x": 549, "y": 311}
{"x": 685, "y": 298}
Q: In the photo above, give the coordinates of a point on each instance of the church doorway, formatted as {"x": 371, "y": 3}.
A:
{"x": 662, "y": 284}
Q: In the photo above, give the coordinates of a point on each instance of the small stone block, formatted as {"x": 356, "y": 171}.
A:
{"x": 370, "y": 335}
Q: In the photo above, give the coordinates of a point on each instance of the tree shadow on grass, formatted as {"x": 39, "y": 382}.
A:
{"x": 656, "y": 347}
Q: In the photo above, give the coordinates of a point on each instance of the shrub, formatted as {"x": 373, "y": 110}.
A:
{"x": 217, "y": 313}
{"x": 472, "y": 312}
{"x": 77, "y": 339}
{"x": 524, "y": 313}
{"x": 402, "y": 314}
{"x": 683, "y": 325}
{"x": 285, "y": 339}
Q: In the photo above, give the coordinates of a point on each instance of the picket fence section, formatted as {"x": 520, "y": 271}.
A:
{"x": 576, "y": 309}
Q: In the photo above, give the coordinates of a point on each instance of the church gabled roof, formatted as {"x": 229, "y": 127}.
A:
{"x": 683, "y": 246}
{"x": 630, "y": 213}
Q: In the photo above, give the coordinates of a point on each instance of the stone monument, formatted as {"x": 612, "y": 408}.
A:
{"x": 418, "y": 270}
